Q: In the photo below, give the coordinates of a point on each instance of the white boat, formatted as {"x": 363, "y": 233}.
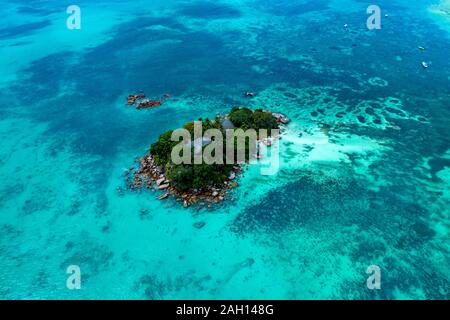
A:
{"x": 425, "y": 65}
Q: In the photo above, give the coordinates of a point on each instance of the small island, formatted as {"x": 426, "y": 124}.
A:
{"x": 200, "y": 182}
{"x": 141, "y": 102}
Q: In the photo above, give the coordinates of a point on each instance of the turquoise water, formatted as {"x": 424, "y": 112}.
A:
{"x": 365, "y": 163}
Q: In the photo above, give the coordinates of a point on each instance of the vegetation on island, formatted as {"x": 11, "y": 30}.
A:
{"x": 245, "y": 118}
{"x": 198, "y": 176}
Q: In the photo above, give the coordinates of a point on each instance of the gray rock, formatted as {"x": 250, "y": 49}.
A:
{"x": 163, "y": 186}
{"x": 164, "y": 196}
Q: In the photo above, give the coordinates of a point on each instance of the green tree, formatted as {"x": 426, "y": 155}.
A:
{"x": 198, "y": 176}
{"x": 241, "y": 117}
{"x": 263, "y": 120}
{"x": 162, "y": 149}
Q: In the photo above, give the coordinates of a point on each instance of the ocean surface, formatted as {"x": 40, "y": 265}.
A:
{"x": 364, "y": 173}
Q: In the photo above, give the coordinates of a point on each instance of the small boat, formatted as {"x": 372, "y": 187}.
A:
{"x": 425, "y": 65}
{"x": 422, "y": 49}
{"x": 250, "y": 94}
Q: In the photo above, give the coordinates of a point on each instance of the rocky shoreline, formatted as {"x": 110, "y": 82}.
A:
{"x": 151, "y": 176}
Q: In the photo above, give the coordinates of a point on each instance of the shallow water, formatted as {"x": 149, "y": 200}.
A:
{"x": 365, "y": 164}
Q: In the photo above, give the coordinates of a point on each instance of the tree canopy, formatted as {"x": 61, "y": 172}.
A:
{"x": 197, "y": 176}
{"x": 247, "y": 119}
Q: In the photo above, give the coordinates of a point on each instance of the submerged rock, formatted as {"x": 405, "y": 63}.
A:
{"x": 199, "y": 225}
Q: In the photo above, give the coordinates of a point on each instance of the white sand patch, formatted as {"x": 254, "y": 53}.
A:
{"x": 441, "y": 14}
